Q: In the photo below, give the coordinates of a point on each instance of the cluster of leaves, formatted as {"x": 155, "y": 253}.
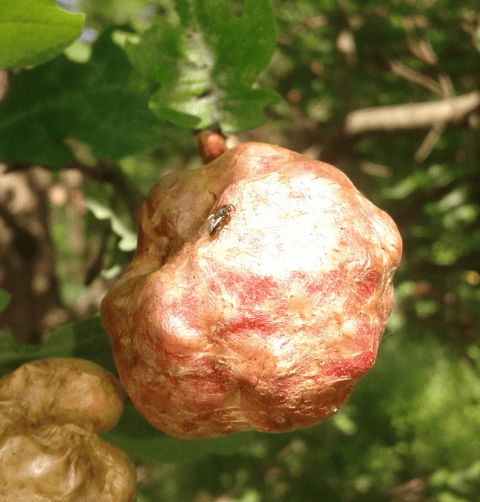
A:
{"x": 183, "y": 72}
{"x": 411, "y": 428}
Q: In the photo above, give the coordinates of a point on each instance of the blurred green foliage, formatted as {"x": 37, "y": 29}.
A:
{"x": 411, "y": 430}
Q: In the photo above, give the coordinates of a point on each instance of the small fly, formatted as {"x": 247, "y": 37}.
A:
{"x": 216, "y": 217}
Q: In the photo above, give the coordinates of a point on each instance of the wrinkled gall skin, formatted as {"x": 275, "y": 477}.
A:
{"x": 268, "y": 321}
{"x": 51, "y": 412}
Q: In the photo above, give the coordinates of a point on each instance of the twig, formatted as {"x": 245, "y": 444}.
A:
{"x": 429, "y": 142}
{"x": 415, "y": 77}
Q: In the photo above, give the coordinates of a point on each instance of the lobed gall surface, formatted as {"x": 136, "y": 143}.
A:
{"x": 268, "y": 320}
{"x": 51, "y": 412}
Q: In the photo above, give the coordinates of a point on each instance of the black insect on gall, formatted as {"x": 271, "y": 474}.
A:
{"x": 217, "y": 217}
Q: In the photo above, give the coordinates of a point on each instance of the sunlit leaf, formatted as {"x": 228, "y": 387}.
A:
{"x": 207, "y": 69}
{"x": 34, "y": 31}
{"x": 128, "y": 240}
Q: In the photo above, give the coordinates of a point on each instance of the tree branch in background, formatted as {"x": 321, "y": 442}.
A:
{"x": 24, "y": 242}
{"x": 4, "y": 81}
{"x": 411, "y": 116}
{"x": 101, "y": 171}
{"x": 415, "y": 77}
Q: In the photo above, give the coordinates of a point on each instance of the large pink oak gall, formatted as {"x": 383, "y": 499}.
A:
{"x": 257, "y": 297}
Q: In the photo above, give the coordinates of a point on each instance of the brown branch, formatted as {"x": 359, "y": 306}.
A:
{"x": 24, "y": 241}
{"x": 411, "y": 116}
{"x": 4, "y": 82}
{"x": 416, "y": 77}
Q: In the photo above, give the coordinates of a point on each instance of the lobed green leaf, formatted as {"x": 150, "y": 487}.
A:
{"x": 208, "y": 64}
{"x": 95, "y": 102}
{"x": 140, "y": 440}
